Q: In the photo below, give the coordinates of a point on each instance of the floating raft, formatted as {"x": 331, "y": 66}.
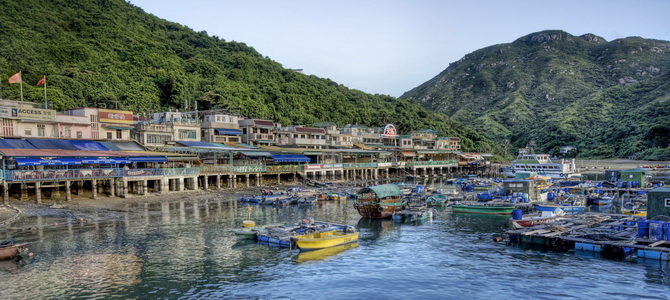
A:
{"x": 613, "y": 236}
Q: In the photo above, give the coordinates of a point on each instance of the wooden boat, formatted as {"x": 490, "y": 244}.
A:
{"x": 483, "y": 209}
{"x": 10, "y": 250}
{"x": 545, "y": 217}
{"x": 320, "y": 240}
{"x": 379, "y": 201}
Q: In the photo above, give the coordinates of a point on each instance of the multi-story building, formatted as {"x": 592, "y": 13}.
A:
{"x": 448, "y": 143}
{"x": 221, "y": 128}
{"x": 170, "y": 126}
{"x": 301, "y": 137}
{"x": 25, "y": 119}
{"x": 257, "y": 132}
{"x": 105, "y": 124}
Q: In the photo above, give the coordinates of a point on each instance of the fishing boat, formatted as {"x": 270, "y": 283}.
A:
{"x": 379, "y": 201}
{"x": 544, "y": 217}
{"x": 413, "y": 215}
{"x": 483, "y": 209}
{"x": 320, "y": 240}
{"x": 542, "y": 164}
{"x": 280, "y": 236}
{"x": 310, "y": 200}
{"x": 600, "y": 200}
{"x": 10, "y": 250}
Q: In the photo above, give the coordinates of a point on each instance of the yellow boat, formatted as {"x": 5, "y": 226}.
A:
{"x": 320, "y": 240}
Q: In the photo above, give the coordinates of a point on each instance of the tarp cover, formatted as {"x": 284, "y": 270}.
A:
{"x": 126, "y": 146}
{"x": 290, "y": 158}
{"x": 256, "y": 153}
{"x": 43, "y": 161}
{"x": 88, "y": 145}
{"x": 15, "y": 144}
{"x": 52, "y": 144}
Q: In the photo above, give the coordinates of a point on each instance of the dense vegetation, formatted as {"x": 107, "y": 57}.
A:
{"x": 109, "y": 53}
{"x": 610, "y": 99}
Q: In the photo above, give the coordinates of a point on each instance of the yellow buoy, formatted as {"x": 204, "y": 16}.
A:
{"x": 248, "y": 222}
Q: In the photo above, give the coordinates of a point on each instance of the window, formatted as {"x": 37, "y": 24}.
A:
{"x": 79, "y": 134}
{"x": 187, "y": 134}
{"x": 119, "y": 134}
{"x": 67, "y": 131}
{"x": 28, "y": 132}
{"x": 109, "y": 135}
{"x": 158, "y": 139}
{"x": 41, "y": 130}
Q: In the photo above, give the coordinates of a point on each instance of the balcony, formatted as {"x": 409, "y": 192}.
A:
{"x": 263, "y": 137}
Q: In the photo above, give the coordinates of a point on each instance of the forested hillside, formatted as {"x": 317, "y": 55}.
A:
{"x": 610, "y": 99}
{"x": 109, "y": 53}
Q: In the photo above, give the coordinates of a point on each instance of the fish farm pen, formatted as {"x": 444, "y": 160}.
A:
{"x": 613, "y": 236}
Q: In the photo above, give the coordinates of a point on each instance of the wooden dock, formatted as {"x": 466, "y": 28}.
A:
{"x": 613, "y": 236}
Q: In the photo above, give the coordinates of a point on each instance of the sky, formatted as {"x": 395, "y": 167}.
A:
{"x": 391, "y": 46}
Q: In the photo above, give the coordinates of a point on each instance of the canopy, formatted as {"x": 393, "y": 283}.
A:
{"x": 46, "y": 161}
{"x": 228, "y": 131}
{"x": 290, "y": 158}
{"x": 105, "y": 160}
{"x": 408, "y": 153}
{"x": 256, "y": 153}
{"x": 383, "y": 191}
{"x": 147, "y": 158}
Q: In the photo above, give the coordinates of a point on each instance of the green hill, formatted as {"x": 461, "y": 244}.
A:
{"x": 109, "y": 53}
{"x": 610, "y": 99}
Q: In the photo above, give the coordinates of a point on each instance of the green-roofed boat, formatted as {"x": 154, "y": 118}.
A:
{"x": 379, "y": 201}
{"x": 484, "y": 209}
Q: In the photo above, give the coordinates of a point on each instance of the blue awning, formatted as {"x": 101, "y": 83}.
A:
{"x": 46, "y": 161}
{"x": 290, "y": 158}
{"x": 105, "y": 160}
{"x": 147, "y": 158}
{"x": 228, "y": 131}
{"x": 52, "y": 144}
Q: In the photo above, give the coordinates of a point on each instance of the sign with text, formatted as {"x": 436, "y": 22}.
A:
{"x": 27, "y": 113}
{"x": 116, "y": 116}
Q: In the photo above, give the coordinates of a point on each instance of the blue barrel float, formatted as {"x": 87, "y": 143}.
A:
{"x": 666, "y": 231}
{"x": 525, "y": 197}
{"x": 656, "y": 230}
{"x": 642, "y": 228}
{"x": 551, "y": 196}
{"x": 513, "y": 200}
{"x": 517, "y": 214}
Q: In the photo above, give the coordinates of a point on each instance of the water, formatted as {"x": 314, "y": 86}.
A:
{"x": 184, "y": 250}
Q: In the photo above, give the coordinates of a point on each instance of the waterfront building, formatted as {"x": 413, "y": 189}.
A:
{"x": 105, "y": 124}
{"x": 257, "y": 132}
{"x": 221, "y": 128}
{"x": 167, "y": 127}
{"x": 301, "y": 137}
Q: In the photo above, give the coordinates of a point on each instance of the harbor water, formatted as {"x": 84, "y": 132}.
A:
{"x": 184, "y": 249}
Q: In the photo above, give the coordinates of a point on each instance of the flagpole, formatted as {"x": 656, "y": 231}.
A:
{"x": 45, "y": 92}
{"x": 21, "y": 83}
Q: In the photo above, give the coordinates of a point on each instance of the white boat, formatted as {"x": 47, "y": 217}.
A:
{"x": 542, "y": 165}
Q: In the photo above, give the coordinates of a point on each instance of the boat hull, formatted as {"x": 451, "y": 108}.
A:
{"x": 320, "y": 240}
{"x": 483, "y": 209}
{"x": 11, "y": 251}
{"x": 568, "y": 209}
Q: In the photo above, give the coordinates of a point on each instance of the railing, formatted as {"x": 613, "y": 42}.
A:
{"x": 215, "y": 169}
{"x": 432, "y": 163}
{"x": 248, "y": 169}
{"x": 264, "y": 136}
{"x": 23, "y": 175}
{"x": 285, "y": 168}
{"x": 142, "y": 172}
{"x": 359, "y": 165}
{"x": 181, "y": 171}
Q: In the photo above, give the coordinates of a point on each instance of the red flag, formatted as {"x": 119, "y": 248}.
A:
{"x": 16, "y": 78}
{"x": 42, "y": 81}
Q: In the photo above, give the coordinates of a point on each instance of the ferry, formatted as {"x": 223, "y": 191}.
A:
{"x": 542, "y": 165}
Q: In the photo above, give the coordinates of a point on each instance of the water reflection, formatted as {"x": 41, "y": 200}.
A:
{"x": 184, "y": 249}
